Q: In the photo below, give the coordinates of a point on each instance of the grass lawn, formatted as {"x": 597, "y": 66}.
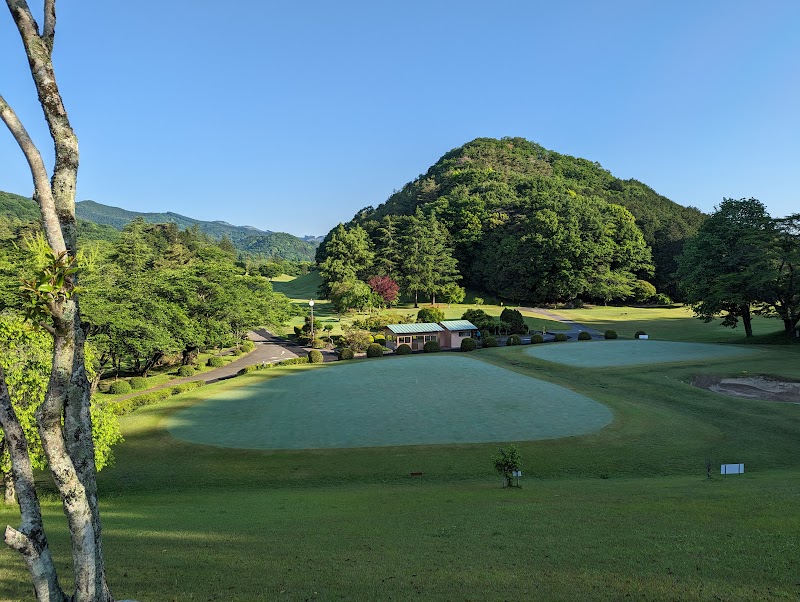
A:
{"x": 671, "y": 324}
{"x": 304, "y": 288}
{"x": 625, "y": 511}
{"x": 409, "y": 408}
{"x": 608, "y": 354}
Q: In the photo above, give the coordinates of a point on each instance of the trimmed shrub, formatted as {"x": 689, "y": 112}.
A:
{"x": 662, "y": 299}
{"x": 478, "y": 301}
{"x": 380, "y": 339}
{"x": 638, "y": 332}
{"x": 513, "y": 340}
{"x": 247, "y": 346}
{"x": 431, "y": 347}
{"x": 537, "y": 338}
{"x": 138, "y": 382}
{"x": 584, "y": 336}
{"x": 346, "y": 354}
{"x": 561, "y": 337}
{"x": 318, "y": 344}
{"x": 403, "y": 349}
{"x": 129, "y": 405}
{"x": 430, "y": 314}
{"x": 315, "y": 357}
{"x": 490, "y": 342}
{"x": 246, "y": 370}
{"x": 374, "y": 350}
{"x": 610, "y": 334}
{"x": 293, "y": 361}
{"x": 236, "y": 351}
{"x": 468, "y": 344}
{"x": 119, "y": 387}
{"x": 215, "y": 361}
{"x": 186, "y": 371}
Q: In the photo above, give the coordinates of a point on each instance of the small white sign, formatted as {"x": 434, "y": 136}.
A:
{"x": 643, "y": 336}
{"x": 732, "y": 469}
{"x": 516, "y": 473}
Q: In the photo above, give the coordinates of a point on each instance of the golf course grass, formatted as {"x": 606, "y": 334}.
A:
{"x": 607, "y": 354}
{"x": 416, "y": 400}
{"x": 623, "y": 512}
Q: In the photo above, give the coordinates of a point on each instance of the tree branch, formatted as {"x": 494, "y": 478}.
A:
{"x": 49, "y": 33}
{"x": 43, "y": 195}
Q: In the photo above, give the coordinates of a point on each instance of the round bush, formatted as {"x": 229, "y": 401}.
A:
{"x": 315, "y": 357}
{"x": 119, "y": 387}
{"x": 138, "y": 382}
{"x": 247, "y": 346}
{"x": 431, "y": 347}
{"x": 638, "y": 332}
{"x": 318, "y": 344}
{"x": 468, "y": 344}
{"x": 374, "y": 350}
{"x": 610, "y": 334}
{"x": 380, "y": 339}
{"x": 561, "y": 337}
{"x": 403, "y": 349}
{"x": 346, "y": 354}
{"x": 185, "y": 371}
{"x": 537, "y": 338}
{"x": 490, "y": 342}
{"x": 584, "y": 336}
{"x": 513, "y": 340}
{"x": 662, "y": 299}
{"x": 236, "y": 351}
{"x": 215, "y": 361}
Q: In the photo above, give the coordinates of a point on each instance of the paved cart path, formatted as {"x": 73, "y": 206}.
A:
{"x": 269, "y": 349}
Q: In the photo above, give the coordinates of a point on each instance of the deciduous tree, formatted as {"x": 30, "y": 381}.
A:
{"x": 64, "y": 418}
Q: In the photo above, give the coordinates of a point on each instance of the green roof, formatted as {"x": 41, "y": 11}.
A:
{"x": 459, "y": 325}
{"x": 414, "y": 328}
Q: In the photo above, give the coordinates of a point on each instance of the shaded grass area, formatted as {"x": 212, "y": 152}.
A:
{"x": 655, "y": 539}
{"x": 448, "y": 398}
{"x": 623, "y": 512}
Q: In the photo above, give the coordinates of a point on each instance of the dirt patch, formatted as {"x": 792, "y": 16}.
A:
{"x": 751, "y": 387}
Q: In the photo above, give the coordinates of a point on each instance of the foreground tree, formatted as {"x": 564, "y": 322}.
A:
{"x": 63, "y": 419}
{"x": 726, "y": 268}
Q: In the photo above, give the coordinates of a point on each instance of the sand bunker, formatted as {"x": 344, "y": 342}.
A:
{"x": 752, "y": 387}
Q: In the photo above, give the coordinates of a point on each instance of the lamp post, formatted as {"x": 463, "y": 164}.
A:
{"x": 311, "y": 305}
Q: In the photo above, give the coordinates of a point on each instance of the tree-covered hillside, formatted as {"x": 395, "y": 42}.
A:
{"x": 519, "y": 214}
{"x": 247, "y": 239}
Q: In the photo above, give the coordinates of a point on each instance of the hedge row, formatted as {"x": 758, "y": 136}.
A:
{"x": 127, "y": 406}
{"x": 290, "y": 362}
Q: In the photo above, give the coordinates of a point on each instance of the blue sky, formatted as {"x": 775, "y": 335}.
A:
{"x": 292, "y": 116}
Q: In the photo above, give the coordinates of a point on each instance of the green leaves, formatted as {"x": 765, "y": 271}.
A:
{"x": 52, "y": 285}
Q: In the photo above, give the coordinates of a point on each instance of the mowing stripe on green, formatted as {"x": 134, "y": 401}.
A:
{"x": 415, "y": 400}
{"x": 606, "y": 354}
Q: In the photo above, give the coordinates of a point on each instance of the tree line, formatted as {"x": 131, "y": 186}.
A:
{"x": 744, "y": 262}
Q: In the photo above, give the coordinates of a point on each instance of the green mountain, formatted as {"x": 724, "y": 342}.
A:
{"x": 498, "y": 197}
{"x": 247, "y": 239}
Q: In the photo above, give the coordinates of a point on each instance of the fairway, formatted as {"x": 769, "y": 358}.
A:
{"x": 607, "y": 354}
{"x": 416, "y": 400}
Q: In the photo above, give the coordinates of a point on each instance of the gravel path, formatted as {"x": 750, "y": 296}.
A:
{"x": 575, "y": 328}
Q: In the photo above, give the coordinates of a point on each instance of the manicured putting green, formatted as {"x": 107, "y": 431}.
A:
{"x": 606, "y": 354}
{"x": 415, "y": 400}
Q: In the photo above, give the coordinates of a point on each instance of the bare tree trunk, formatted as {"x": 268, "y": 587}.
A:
{"x": 747, "y": 321}
{"x": 30, "y": 539}
{"x": 64, "y": 420}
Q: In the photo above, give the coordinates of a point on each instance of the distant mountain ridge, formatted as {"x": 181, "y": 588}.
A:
{"x": 248, "y": 239}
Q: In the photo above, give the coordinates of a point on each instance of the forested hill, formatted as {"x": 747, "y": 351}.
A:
{"x": 97, "y": 220}
{"x": 490, "y": 190}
